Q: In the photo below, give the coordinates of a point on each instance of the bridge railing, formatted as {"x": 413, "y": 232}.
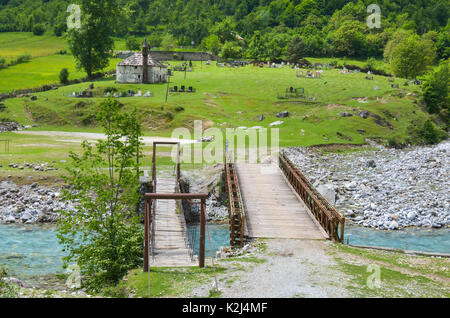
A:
{"x": 329, "y": 218}
{"x": 235, "y": 206}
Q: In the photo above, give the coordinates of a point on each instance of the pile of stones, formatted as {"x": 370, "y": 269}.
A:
{"x": 386, "y": 189}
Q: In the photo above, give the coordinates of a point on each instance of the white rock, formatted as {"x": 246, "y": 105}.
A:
{"x": 327, "y": 191}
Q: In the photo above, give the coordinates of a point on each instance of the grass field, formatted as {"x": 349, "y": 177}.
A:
{"x": 13, "y": 44}
{"x": 224, "y": 98}
{"x": 40, "y": 71}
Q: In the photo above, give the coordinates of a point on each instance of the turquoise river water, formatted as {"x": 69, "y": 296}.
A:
{"x": 28, "y": 251}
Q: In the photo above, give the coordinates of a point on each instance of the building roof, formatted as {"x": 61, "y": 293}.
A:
{"x": 136, "y": 60}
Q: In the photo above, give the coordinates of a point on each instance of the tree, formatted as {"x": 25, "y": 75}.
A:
{"x": 59, "y": 29}
{"x": 435, "y": 89}
{"x": 132, "y": 44}
{"x": 296, "y": 50}
{"x": 256, "y": 47}
{"x": 412, "y": 57}
{"x": 231, "y": 50}
{"x": 168, "y": 42}
{"x": 349, "y": 39}
{"x": 102, "y": 233}
{"x": 92, "y": 45}
{"x": 212, "y": 44}
{"x": 38, "y": 29}
{"x": 64, "y": 76}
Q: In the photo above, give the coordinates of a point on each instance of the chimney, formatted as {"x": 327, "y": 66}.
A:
{"x": 145, "y": 62}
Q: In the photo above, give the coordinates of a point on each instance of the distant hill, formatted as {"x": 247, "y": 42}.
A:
{"x": 326, "y": 27}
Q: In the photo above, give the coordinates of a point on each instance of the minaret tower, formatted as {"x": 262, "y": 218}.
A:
{"x": 145, "y": 62}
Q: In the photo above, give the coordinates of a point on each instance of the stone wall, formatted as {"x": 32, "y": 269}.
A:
{"x": 171, "y": 55}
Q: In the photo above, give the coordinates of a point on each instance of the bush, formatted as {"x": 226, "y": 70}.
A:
{"x": 179, "y": 109}
{"x": 132, "y": 44}
{"x": 38, "y": 29}
{"x": 2, "y": 63}
{"x": 59, "y": 29}
{"x": 371, "y": 64}
{"x": 2, "y": 107}
{"x": 169, "y": 116}
{"x": 64, "y": 76}
{"x": 110, "y": 90}
{"x": 396, "y": 143}
{"x": 435, "y": 89}
{"x": 6, "y": 290}
{"x": 20, "y": 59}
{"x": 430, "y": 134}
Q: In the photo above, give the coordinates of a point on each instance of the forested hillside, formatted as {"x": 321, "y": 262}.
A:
{"x": 324, "y": 27}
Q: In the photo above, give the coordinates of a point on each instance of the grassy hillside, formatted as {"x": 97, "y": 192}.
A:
{"x": 234, "y": 98}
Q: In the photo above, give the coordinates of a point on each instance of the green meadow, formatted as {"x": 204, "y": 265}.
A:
{"x": 224, "y": 98}
{"x": 13, "y": 44}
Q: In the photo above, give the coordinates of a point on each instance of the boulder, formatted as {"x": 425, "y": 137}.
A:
{"x": 284, "y": 114}
{"x": 327, "y": 191}
{"x": 393, "y": 225}
{"x": 10, "y": 219}
{"x": 26, "y": 217}
{"x": 371, "y": 164}
{"x": 364, "y": 114}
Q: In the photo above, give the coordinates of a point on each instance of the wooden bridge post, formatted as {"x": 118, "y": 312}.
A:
{"x": 148, "y": 208}
{"x": 201, "y": 249}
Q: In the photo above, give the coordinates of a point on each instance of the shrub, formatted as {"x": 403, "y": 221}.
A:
{"x": 2, "y": 107}
{"x": 64, "y": 76}
{"x": 110, "y": 90}
{"x": 435, "y": 89}
{"x": 430, "y": 134}
{"x": 20, "y": 59}
{"x": 169, "y": 116}
{"x": 132, "y": 44}
{"x": 396, "y": 143}
{"x": 371, "y": 64}
{"x": 2, "y": 63}
{"x": 6, "y": 290}
{"x": 179, "y": 109}
{"x": 59, "y": 29}
{"x": 38, "y": 29}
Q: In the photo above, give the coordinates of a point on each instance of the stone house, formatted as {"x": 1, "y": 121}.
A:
{"x": 141, "y": 68}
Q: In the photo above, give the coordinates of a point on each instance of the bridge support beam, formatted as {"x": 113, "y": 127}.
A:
{"x": 201, "y": 248}
{"x": 147, "y": 220}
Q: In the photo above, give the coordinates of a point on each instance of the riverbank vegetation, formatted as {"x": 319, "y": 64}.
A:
{"x": 102, "y": 233}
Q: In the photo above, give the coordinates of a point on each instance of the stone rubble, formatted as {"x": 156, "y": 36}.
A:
{"x": 386, "y": 189}
{"x": 208, "y": 180}
{"x": 30, "y": 204}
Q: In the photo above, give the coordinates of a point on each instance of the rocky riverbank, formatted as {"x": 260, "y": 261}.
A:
{"x": 207, "y": 180}
{"x": 30, "y": 204}
{"x": 386, "y": 189}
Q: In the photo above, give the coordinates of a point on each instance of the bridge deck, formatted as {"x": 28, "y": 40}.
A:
{"x": 169, "y": 234}
{"x": 273, "y": 209}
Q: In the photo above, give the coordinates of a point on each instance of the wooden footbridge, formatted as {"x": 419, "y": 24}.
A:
{"x": 264, "y": 201}
{"x": 277, "y": 201}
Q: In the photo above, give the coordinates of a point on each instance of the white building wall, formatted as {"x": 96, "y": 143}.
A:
{"x": 133, "y": 74}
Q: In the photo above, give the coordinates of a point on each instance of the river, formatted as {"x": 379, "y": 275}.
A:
{"x": 32, "y": 252}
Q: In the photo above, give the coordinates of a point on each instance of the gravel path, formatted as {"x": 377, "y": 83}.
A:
{"x": 78, "y": 137}
{"x": 293, "y": 268}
